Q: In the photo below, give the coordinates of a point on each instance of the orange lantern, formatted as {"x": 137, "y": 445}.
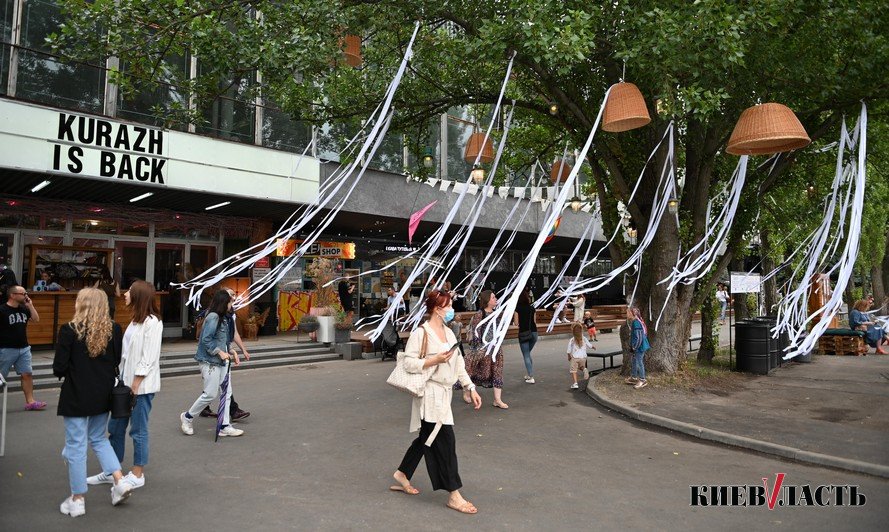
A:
{"x": 560, "y": 171}
{"x": 352, "y": 50}
{"x": 625, "y": 109}
{"x": 765, "y": 129}
{"x": 475, "y": 145}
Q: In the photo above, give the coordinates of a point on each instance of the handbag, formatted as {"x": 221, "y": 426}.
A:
{"x": 412, "y": 383}
{"x": 122, "y": 398}
{"x": 525, "y": 336}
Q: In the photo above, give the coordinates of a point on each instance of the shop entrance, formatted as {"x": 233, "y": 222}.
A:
{"x": 169, "y": 260}
{"x": 131, "y": 259}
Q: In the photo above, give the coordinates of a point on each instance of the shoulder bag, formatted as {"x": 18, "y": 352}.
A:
{"x": 122, "y": 398}
{"x": 525, "y": 336}
{"x": 412, "y": 383}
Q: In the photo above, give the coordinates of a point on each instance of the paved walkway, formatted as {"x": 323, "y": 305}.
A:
{"x": 833, "y": 411}
{"x": 323, "y": 440}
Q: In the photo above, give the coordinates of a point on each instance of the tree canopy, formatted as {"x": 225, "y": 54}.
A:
{"x": 700, "y": 63}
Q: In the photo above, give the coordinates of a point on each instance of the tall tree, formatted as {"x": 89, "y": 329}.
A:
{"x": 703, "y": 61}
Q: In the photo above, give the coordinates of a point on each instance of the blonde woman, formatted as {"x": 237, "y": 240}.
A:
{"x": 87, "y": 352}
{"x": 141, "y": 371}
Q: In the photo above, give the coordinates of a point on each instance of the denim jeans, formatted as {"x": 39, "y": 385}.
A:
{"x": 213, "y": 377}
{"x": 526, "y": 348}
{"x": 723, "y": 306}
{"x": 639, "y": 365}
{"x": 78, "y": 432}
{"x": 138, "y": 422}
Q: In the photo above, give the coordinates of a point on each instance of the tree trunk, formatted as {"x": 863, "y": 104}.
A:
{"x": 770, "y": 287}
{"x": 627, "y": 364}
{"x": 708, "y": 345}
{"x": 884, "y": 276}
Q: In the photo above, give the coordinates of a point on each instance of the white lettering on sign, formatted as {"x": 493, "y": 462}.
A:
{"x": 113, "y": 150}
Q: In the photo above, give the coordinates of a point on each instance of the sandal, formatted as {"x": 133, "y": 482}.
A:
{"x": 407, "y": 490}
{"x": 465, "y": 508}
{"x": 504, "y": 406}
{"x": 36, "y": 405}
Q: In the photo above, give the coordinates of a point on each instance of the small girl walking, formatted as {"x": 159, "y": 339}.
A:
{"x": 639, "y": 343}
{"x": 577, "y": 347}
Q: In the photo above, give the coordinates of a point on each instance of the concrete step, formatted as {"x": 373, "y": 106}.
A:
{"x": 177, "y": 363}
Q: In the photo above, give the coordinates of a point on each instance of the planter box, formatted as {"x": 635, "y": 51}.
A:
{"x": 342, "y": 336}
{"x": 325, "y": 329}
{"x": 349, "y": 350}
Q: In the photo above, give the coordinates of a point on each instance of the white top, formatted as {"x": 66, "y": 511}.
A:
{"x": 579, "y": 303}
{"x": 721, "y": 295}
{"x": 392, "y": 299}
{"x": 578, "y": 351}
{"x": 435, "y": 405}
{"x": 142, "y": 353}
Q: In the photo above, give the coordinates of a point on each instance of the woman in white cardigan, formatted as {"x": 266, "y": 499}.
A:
{"x": 431, "y": 350}
{"x": 140, "y": 370}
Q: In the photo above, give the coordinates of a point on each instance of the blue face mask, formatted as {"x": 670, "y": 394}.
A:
{"x": 449, "y": 315}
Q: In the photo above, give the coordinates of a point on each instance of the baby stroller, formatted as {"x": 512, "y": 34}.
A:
{"x": 389, "y": 342}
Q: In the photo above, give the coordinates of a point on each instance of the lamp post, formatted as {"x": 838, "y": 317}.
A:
{"x": 673, "y": 205}
{"x": 428, "y": 157}
{"x": 478, "y": 175}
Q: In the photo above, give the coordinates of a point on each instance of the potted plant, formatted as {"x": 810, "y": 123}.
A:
{"x": 308, "y": 324}
{"x": 342, "y": 327}
{"x": 324, "y": 298}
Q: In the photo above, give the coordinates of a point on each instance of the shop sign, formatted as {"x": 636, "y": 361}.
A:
{"x": 259, "y": 273}
{"x": 262, "y": 263}
{"x": 328, "y": 250}
{"x": 114, "y": 150}
{"x": 400, "y": 248}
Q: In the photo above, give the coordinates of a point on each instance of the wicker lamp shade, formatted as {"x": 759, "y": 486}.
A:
{"x": 560, "y": 171}
{"x": 765, "y": 129}
{"x": 625, "y": 109}
{"x": 476, "y": 144}
{"x": 352, "y": 50}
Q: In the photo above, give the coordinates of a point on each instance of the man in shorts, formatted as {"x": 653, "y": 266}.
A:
{"x": 14, "y": 347}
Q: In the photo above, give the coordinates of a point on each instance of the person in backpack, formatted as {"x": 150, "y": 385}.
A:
{"x": 639, "y": 344}
{"x": 431, "y": 350}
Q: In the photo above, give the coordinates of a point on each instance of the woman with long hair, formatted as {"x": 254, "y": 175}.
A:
{"x": 481, "y": 367}
{"x": 432, "y": 351}
{"x": 639, "y": 344}
{"x": 107, "y": 284}
{"x": 140, "y": 370}
{"x": 525, "y": 317}
{"x": 213, "y": 357}
{"x": 87, "y": 352}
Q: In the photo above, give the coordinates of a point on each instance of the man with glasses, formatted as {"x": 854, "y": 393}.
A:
{"x": 14, "y": 347}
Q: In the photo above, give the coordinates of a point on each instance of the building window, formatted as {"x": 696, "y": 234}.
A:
{"x": 281, "y": 132}
{"x": 41, "y": 78}
{"x": 460, "y": 128}
{"x": 160, "y": 104}
{"x": 548, "y": 264}
{"x": 390, "y": 154}
{"x": 231, "y": 114}
{"x": 6, "y": 8}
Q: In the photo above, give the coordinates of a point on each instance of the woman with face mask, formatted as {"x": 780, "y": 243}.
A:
{"x": 432, "y": 351}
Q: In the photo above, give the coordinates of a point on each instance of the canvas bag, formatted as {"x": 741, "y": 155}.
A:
{"x": 412, "y": 383}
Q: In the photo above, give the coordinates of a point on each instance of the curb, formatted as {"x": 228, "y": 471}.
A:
{"x": 734, "y": 440}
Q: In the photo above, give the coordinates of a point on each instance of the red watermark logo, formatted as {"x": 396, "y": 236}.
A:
{"x": 777, "y": 494}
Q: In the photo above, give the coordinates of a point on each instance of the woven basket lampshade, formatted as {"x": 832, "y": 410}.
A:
{"x": 560, "y": 171}
{"x": 476, "y": 144}
{"x": 765, "y": 129}
{"x": 352, "y": 50}
{"x": 625, "y": 109}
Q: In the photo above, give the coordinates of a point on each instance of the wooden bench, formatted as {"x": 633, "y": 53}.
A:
{"x": 603, "y": 355}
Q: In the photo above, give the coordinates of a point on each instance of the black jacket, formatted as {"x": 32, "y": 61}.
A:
{"x": 88, "y": 381}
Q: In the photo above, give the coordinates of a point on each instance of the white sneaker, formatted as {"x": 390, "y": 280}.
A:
{"x": 185, "y": 425}
{"x": 575, "y": 386}
{"x": 73, "y": 507}
{"x": 101, "y": 478}
{"x": 530, "y": 380}
{"x": 228, "y": 430}
{"x": 134, "y": 481}
{"x": 121, "y": 492}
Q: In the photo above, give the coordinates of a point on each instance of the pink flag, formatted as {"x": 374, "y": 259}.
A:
{"x": 415, "y": 221}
